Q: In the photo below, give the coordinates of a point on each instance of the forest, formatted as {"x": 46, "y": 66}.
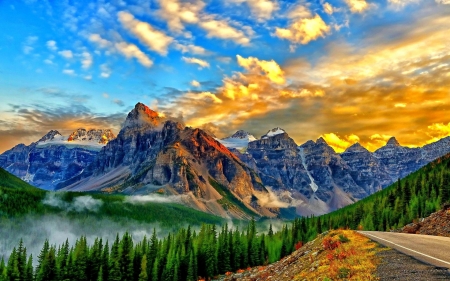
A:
{"x": 188, "y": 254}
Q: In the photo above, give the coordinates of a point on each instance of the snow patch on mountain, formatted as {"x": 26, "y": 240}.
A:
{"x": 93, "y": 139}
{"x": 313, "y": 185}
{"x": 273, "y": 132}
{"x": 238, "y": 140}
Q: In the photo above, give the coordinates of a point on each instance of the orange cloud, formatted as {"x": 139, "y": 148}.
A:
{"x": 304, "y": 30}
{"x": 340, "y": 144}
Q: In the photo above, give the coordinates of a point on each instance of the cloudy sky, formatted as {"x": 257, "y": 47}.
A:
{"x": 349, "y": 70}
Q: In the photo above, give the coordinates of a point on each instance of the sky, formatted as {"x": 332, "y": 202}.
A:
{"x": 348, "y": 71}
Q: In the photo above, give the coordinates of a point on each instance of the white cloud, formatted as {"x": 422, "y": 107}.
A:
{"x": 47, "y": 61}
{"x": 87, "y": 60}
{"x": 51, "y": 45}
{"x": 131, "y": 50}
{"x": 191, "y": 48}
{"x": 103, "y": 43}
{"x": 200, "y": 62}
{"x": 176, "y": 13}
{"x": 147, "y": 34}
{"x": 69, "y": 71}
{"x": 357, "y": 6}
{"x": 262, "y": 9}
{"x": 105, "y": 95}
{"x": 27, "y": 49}
{"x": 66, "y": 53}
{"x": 195, "y": 83}
{"x": 304, "y": 30}
{"x": 222, "y": 30}
{"x": 105, "y": 71}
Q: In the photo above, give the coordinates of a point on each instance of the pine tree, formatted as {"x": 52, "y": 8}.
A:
{"x": 126, "y": 258}
{"x": 114, "y": 269}
{"x": 2, "y": 270}
{"x": 143, "y": 275}
{"x": 29, "y": 270}
{"x": 12, "y": 269}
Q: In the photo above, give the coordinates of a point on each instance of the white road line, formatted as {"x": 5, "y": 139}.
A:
{"x": 408, "y": 249}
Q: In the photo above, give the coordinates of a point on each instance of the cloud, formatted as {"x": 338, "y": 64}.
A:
{"x": 304, "y": 30}
{"x": 47, "y": 61}
{"x": 51, "y": 45}
{"x": 437, "y": 131}
{"x": 195, "y": 83}
{"x": 100, "y": 41}
{"x": 119, "y": 102}
{"x": 357, "y": 6}
{"x": 400, "y": 105}
{"x": 27, "y": 49}
{"x": 340, "y": 144}
{"x": 66, "y": 54}
{"x": 147, "y": 34}
{"x": 79, "y": 204}
{"x": 105, "y": 71}
{"x": 201, "y": 63}
{"x": 328, "y": 8}
{"x": 142, "y": 199}
{"x": 68, "y": 71}
{"x": 86, "y": 62}
{"x": 177, "y": 13}
{"x": 191, "y": 48}
{"x": 105, "y": 95}
{"x": 444, "y": 2}
{"x": 270, "y": 68}
{"x": 222, "y": 30}
{"x": 131, "y": 50}
{"x": 262, "y": 9}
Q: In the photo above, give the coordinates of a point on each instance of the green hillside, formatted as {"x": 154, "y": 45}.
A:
{"x": 18, "y": 198}
{"x": 415, "y": 196}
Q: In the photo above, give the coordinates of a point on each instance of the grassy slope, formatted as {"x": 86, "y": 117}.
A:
{"x": 18, "y": 198}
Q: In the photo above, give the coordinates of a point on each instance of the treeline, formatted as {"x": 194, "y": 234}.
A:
{"x": 416, "y": 196}
{"x": 186, "y": 255}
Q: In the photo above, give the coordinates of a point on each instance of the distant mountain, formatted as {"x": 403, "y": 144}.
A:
{"x": 238, "y": 140}
{"x": 316, "y": 180}
{"x": 55, "y": 158}
{"x": 151, "y": 154}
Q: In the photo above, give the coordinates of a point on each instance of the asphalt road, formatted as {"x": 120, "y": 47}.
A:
{"x": 434, "y": 250}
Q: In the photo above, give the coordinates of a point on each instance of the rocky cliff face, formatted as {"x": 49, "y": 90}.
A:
{"x": 53, "y": 158}
{"x": 151, "y": 154}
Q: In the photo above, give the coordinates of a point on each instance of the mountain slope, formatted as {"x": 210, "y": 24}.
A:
{"x": 152, "y": 154}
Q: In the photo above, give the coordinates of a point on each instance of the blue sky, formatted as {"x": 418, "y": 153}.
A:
{"x": 350, "y": 70}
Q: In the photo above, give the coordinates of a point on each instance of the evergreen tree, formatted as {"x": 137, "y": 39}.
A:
{"x": 12, "y": 269}
{"x": 143, "y": 276}
{"x": 126, "y": 258}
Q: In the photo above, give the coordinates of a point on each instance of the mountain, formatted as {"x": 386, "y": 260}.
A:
{"x": 315, "y": 179}
{"x": 151, "y": 154}
{"x": 238, "y": 140}
{"x": 55, "y": 158}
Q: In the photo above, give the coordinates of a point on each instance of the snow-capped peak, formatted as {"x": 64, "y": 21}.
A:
{"x": 241, "y": 134}
{"x": 53, "y": 135}
{"x": 238, "y": 140}
{"x": 274, "y": 132}
{"x": 93, "y": 139}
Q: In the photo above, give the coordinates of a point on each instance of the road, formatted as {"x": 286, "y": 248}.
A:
{"x": 434, "y": 250}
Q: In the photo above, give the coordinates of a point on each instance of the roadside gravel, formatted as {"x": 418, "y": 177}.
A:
{"x": 397, "y": 266}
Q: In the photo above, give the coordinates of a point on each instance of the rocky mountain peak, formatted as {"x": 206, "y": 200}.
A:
{"x": 93, "y": 135}
{"x": 142, "y": 115}
{"x": 241, "y": 134}
{"x": 393, "y": 142}
{"x": 321, "y": 141}
{"x": 274, "y": 132}
{"x": 50, "y": 136}
{"x": 356, "y": 147}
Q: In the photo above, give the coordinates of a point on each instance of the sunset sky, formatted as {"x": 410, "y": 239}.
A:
{"x": 349, "y": 71}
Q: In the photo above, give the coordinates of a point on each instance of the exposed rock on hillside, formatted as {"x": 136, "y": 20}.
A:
{"x": 437, "y": 223}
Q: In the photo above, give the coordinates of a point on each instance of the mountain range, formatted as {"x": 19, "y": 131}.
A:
{"x": 238, "y": 176}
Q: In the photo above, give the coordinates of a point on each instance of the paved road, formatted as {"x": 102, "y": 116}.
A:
{"x": 434, "y": 250}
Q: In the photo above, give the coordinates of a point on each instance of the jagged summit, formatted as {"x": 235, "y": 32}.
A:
{"x": 274, "y": 132}
{"x": 93, "y": 135}
{"x": 142, "y": 115}
{"x": 321, "y": 140}
{"x": 241, "y": 134}
{"x": 393, "y": 142}
{"x": 53, "y": 134}
{"x": 356, "y": 147}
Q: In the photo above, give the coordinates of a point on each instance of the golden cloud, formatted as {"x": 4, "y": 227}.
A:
{"x": 270, "y": 68}
{"x": 328, "y": 8}
{"x": 263, "y": 9}
{"x": 340, "y": 144}
{"x": 131, "y": 50}
{"x": 147, "y": 34}
{"x": 223, "y": 30}
{"x": 176, "y": 13}
{"x": 304, "y": 30}
{"x": 357, "y": 6}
